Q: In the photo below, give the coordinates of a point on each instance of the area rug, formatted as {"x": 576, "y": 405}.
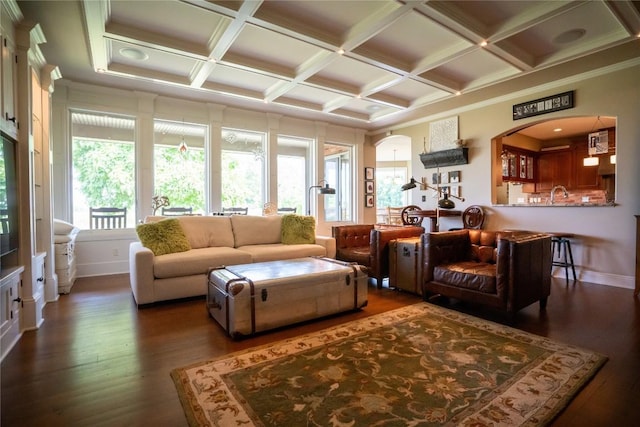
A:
{"x": 419, "y": 365}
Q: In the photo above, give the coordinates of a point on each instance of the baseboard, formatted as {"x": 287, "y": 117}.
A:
{"x": 102, "y": 268}
{"x": 607, "y": 279}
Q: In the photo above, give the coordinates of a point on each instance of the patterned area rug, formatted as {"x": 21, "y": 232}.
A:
{"x": 419, "y": 365}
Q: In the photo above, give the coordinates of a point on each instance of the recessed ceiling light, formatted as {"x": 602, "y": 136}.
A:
{"x": 483, "y": 43}
{"x": 569, "y": 36}
{"x": 557, "y": 130}
{"x": 132, "y": 53}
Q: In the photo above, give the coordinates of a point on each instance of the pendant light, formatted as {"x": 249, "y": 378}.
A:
{"x": 182, "y": 148}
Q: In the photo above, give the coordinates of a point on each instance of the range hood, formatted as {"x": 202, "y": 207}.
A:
{"x": 455, "y": 156}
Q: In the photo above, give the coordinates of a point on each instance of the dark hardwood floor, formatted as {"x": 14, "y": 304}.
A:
{"x": 99, "y": 361}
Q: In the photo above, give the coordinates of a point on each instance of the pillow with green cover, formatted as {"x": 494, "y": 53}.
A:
{"x": 298, "y": 229}
{"x": 163, "y": 237}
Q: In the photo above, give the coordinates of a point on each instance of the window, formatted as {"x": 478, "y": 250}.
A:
{"x": 243, "y": 170}
{"x": 103, "y": 165}
{"x": 338, "y": 172}
{"x": 179, "y": 164}
{"x": 293, "y": 164}
{"x": 388, "y": 183}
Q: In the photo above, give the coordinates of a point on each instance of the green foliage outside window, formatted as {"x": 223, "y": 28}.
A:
{"x": 241, "y": 180}
{"x": 388, "y": 189}
{"x": 180, "y": 176}
{"x": 104, "y": 172}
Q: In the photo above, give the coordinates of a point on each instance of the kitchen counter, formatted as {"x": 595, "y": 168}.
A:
{"x": 560, "y": 205}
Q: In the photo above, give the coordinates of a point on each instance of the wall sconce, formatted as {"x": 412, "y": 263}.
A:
{"x": 323, "y": 190}
{"x": 445, "y": 202}
{"x": 409, "y": 185}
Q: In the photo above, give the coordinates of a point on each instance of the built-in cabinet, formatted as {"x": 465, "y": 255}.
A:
{"x": 27, "y": 83}
{"x": 8, "y": 75}
{"x": 10, "y": 306}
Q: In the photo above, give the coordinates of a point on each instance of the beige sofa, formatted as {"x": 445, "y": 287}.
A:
{"x": 215, "y": 241}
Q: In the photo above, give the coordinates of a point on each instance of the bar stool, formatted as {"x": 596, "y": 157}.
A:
{"x": 561, "y": 245}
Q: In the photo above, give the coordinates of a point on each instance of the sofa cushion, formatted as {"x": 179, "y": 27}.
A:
{"x": 358, "y": 254}
{"x": 163, "y": 237}
{"x": 279, "y": 251}
{"x": 256, "y": 230}
{"x": 62, "y": 227}
{"x": 477, "y": 276}
{"x": 298, "y": 229}
{"x": 196, "y": 261}
{"x": 208, "y": 231}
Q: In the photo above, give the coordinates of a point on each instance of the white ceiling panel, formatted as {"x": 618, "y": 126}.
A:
{"x": 241, "y": 79}
{"x": 357, "y": 63}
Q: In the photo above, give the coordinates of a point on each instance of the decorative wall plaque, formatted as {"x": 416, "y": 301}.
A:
{"x": 443, "y": 134}
{"x": 561, "y": 101}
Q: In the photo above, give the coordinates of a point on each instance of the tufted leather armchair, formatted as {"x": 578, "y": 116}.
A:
{"x": 368, "y": 245}
{"x": 502, "y": 270}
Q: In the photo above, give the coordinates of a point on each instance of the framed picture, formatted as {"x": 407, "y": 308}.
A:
{"x": 455, "y": 190}
{"x": 369, "y": 201}
{"x": 368, "y": 173}
{"x": 454, "y": 176}
{"x": 368, "y": 187}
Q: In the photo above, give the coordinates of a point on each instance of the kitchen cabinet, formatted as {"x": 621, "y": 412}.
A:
{"x": 587, "y": 177}
{"x": 555, "y": 168}
{"x": 518, "y": 165}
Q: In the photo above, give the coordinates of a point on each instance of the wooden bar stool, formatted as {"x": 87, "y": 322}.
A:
{"x": 561, "y": 245}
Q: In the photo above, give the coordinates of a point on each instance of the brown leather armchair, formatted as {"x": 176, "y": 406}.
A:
{"x": 368, "y": 245}
{"x": 506, "y": 271}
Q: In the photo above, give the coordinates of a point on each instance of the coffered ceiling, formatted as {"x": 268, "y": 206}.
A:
{"x": 362, "y": 63}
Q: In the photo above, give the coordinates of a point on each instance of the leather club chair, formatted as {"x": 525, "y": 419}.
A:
{"x": 368, "y": 245}
{"x": 506, "y": 271}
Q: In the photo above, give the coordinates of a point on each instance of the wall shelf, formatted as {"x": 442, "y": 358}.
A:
{"x": 455, "y": 156}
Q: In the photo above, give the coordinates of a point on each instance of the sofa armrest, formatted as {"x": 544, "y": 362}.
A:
{"x": 529, "y": 270}
{"x": 141, "y": 273}
{"x": 329, "y": 244}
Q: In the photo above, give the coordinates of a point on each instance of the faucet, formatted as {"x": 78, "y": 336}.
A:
{"x": 565, "y": 193}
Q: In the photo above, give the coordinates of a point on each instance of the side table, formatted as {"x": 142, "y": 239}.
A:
{"x": 405, "y": 264}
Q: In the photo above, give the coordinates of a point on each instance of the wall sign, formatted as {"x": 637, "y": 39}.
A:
{"x": 598, "y": 142}
{"x": 561, "y": 101}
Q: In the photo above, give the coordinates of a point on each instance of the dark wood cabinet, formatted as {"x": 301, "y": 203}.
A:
{"x": 555, "y": 168}
{"x": 587, "y": 177}
{"x": 518, "y": 165}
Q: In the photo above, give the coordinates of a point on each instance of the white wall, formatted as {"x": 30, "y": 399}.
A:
{"x": 604, "y": 247}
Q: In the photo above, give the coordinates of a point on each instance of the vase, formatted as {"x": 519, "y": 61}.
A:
{"x": 446, "y": 203}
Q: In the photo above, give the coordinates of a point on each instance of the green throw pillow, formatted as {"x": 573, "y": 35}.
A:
{"x": 297, "y": 229}
{"x": 163, "y": 237}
